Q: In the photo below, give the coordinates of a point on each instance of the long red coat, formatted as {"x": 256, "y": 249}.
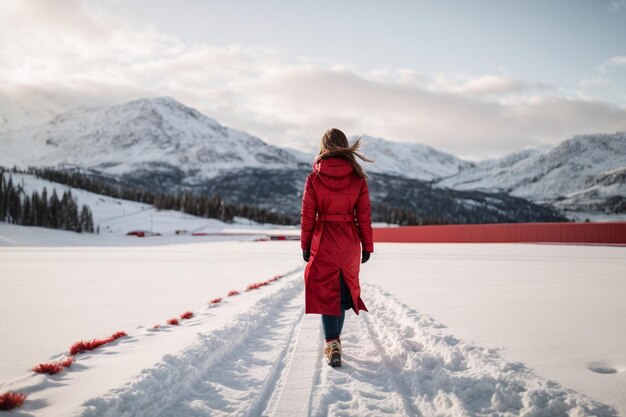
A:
{"x": 336, "y": 223}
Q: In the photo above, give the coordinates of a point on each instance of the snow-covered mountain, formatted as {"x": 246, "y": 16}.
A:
{"x": 160, "y": 143}
{"x": 411, "y": 160}
{"x": 158, "y": 134}
{"x": 570, "y": 175}
{"x": 16, "y": 112}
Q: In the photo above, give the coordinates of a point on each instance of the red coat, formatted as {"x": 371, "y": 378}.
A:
{"x": 336, "y": 223}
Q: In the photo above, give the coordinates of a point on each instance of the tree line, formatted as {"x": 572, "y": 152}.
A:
{"x": 208, "y": 206}
{"x": 17, "y": 207}
{"x": 212, "y": 206}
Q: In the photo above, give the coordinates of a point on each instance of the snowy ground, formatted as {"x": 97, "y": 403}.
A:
{"x": 595, "y": 217}
{"x": 453, "y": 330}
{"x": 559, "y": 309}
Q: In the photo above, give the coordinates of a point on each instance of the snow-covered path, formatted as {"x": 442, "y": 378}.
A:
{"x": 396, "y": 362}
{"x": 367, "y": 383}
{"x": 230, "y": 371}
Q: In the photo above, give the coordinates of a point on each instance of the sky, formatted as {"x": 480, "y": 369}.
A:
{"x": 477, "y": 79}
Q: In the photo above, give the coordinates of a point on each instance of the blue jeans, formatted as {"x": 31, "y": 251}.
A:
{"x": 332, "y": 324}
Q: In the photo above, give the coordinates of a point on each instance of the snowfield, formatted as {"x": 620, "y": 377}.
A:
{"x": 455, "y": 330}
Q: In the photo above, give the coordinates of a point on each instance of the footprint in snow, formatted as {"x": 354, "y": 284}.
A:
{"x": 601, "y": 368}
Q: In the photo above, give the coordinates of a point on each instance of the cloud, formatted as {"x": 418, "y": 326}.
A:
{"x": 317, "y": 99}
{"x": 591, "y": 81}
{"x": 77, "y": 55}
{"x": 66, "y": 42}
{"x": 614, "y": 61}
{"x": 481, "y": 85}
{"x": 403, "y": 76}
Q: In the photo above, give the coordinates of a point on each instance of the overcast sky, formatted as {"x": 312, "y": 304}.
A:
{"x": 474, "y": 78}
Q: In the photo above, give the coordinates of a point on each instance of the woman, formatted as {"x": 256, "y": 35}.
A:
{"x": 336, "y": 234}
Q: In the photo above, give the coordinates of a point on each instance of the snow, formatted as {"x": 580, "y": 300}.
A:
{"x": 155, "y": 134}
{"x": 581, "y": 216}
{"x": 292, "y": 396}
{"x": 87, "y": 292}
{"x": 231, "y": 371}
{"x": 452, "y": 330}
{"x": 399, "y": 362}
{"x": 410, "y": 160}
{"x": 580, "y": 165}
{"x": 557, "y": 309}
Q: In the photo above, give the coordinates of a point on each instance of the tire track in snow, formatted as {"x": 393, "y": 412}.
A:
{"x": 395, "y": 362}
{"x": 229, "y": 372}
{"x": 439, "y": 374}
{"x": 292, "y": 396}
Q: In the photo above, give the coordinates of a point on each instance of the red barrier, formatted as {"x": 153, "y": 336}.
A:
{"x": 581, "y": 233}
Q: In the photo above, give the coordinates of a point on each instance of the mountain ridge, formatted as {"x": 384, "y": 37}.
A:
{"x": 552, "y": 175}
{"x": 157, "y": 133}
{"x": 160, "y": 142}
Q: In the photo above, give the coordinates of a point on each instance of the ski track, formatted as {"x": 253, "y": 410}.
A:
{"x": 395, "y": 362}
{"x": 365, "y": 384}
{"x": 229, "y": 372}
{"x": 432, "y": 373}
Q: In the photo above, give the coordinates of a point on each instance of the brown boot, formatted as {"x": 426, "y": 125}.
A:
{"x": 332, "y": 353}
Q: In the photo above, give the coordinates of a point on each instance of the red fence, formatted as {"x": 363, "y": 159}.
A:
{"x": 585, "y": 233}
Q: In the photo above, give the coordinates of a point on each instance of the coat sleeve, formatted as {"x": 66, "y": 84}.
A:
{"x": 308, "y": 214}
{"x": 364, "y": 218}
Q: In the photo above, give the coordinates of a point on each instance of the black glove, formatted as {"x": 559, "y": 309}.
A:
{"x": 365, "y": 257}
{"x": 306, "y": 254}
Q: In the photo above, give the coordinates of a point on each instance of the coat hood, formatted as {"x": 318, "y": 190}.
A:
{"x": 335, "y": 173}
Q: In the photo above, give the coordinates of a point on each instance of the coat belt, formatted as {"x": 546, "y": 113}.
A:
{"x": 335, "y": 217}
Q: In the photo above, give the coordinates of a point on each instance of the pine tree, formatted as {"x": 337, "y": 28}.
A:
{"x": 27, "y": 212}
{"x": 8, "y": 200}
{"x": 54, "y": 211}
{"x": 74, "y": 220}
{"x": 86, "y": 219}
{"x": 15, "y": 207}
{"x": 64, "y": 218}
{"x": 3, "y": 193}
{"x": 35, "y": 208}
{"x": 13, "y": 203}
{"x": 43, "y": 208}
